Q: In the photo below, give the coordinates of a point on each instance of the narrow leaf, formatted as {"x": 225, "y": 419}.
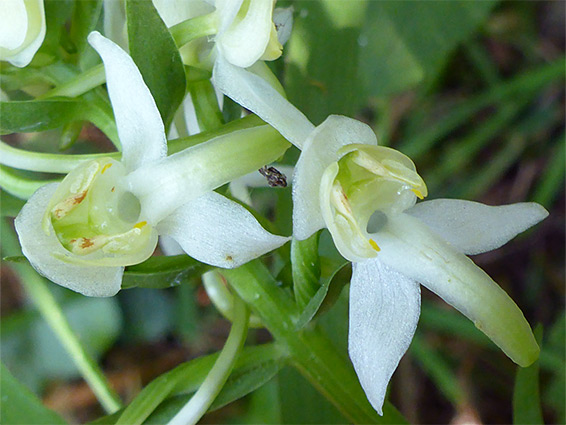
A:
{"x": 37, "y": 115}
{"x": 306, "y": 268}
{"x": 162, "y": 272}
{"x": 157, "y": 57}
{"x": 20, "y": 406}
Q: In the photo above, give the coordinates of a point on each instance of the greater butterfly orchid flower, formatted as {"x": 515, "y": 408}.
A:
{"x": 107, "y": 214}
{"x": 366, "y": 196}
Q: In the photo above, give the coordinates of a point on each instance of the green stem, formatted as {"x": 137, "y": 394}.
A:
{"x": 312, "y": 353}
{"x": 215, "y": 380}
{"x": 62, "y": 163}
{"x": 51, "y": 311}
{"x": 182, "y": 33}
{"x": 18, "y": 186}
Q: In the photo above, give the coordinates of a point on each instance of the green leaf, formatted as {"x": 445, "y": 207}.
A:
{"x": 86, "y": 14}
{"x": 327, "y": 294}
{"x": 526, "y": 395}
{"x": 162, "y": 272}
{"x": 255, "y": 366}
{"x": 20, "y": 406}
{"x": 301, "y": 403}
{"x": 37, "y": 115}
{"x": 157, "y": 57}
{"x": 306, "y": 269}
{"x": 406, "y": 43}
{"x": 204, "y": 99}
{"x": 11, "y": 205}
{"x": 321, "y": 72}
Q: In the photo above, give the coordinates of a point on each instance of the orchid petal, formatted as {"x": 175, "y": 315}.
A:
{"x": 47, "y": 255}
{"x": 321, "y": 150}
{"x": 227, "y": 11}
{"x": 473, "y": 228}
{"x": 14, "y": 24}
{"x": 384, "y": 312}
{"x": 411, "y": 248}
{"x": 140, "y": 127}
{"x": 218, "y": 231}
{"x": 244, "y": 42}
{"x": 255, "y": 94}
{"x": 31, "y": 22}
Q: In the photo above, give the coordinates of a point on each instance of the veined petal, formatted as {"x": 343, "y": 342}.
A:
{"x": 140, "y": 127}
{"x": 255, "y": 94}
{"x": 411, "y": 248}
{"x": 31, "y": 21}
{"x": 218, "y": 231}
{"x": 47, "y": 255}
{"x": 473, "y": 228}
{"x": 244, "y": 42}
{"x": 321, "y": 150}
{"x": 384, "y": 312}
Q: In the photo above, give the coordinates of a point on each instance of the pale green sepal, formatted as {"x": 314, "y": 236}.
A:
{"x": 175, "y": 11}
{"x": 218, "y": 231}
{"x": 44, "y": 252}
{"x": 321, "y": 150}
{"x": 22, "y": 30}
{"x": 257, "y": 95}
{"x": 139, "y": 123}
{"x": 473, "y": 228}
{"x": 411, "y": 248}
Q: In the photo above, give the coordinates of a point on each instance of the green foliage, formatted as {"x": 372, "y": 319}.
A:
{"x": 306, "y": 269}
{"x": 162, "y": 69}
{"x": 162, "y": 272}
{"x": 526, "y": 396}
{"x": 20, "y": 406}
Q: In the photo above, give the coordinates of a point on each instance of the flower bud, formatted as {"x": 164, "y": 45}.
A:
{"x": 22, "y": 30}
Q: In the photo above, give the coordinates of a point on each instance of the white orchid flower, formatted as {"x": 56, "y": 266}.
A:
{"x": 22, "y": 30}
{"x": 365, "y": 195}
{"x": 108, "y": 214}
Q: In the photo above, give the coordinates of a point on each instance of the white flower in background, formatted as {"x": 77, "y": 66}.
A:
{"x": 107, "y": 214}
{"x": 365, "y": 195}
{"x": 22, "y": 30}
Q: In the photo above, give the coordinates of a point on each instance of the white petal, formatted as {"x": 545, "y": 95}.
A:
{"x": 13, "y": 24}
{"x": 255, "y": 94}
{"x": 384, "y": 312}
{"x": 41, "y": 249}
{"x": 473, "y": 228}
{"x": 140, "y": 127}
{"x": 244, "y": 42}
{"x": 321, "y": 150}
{"x": 35, "y": 28}
{"x": 411, "y": 248}
{"x": 218, "y": 231}
{"x": 227, "y": 11}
